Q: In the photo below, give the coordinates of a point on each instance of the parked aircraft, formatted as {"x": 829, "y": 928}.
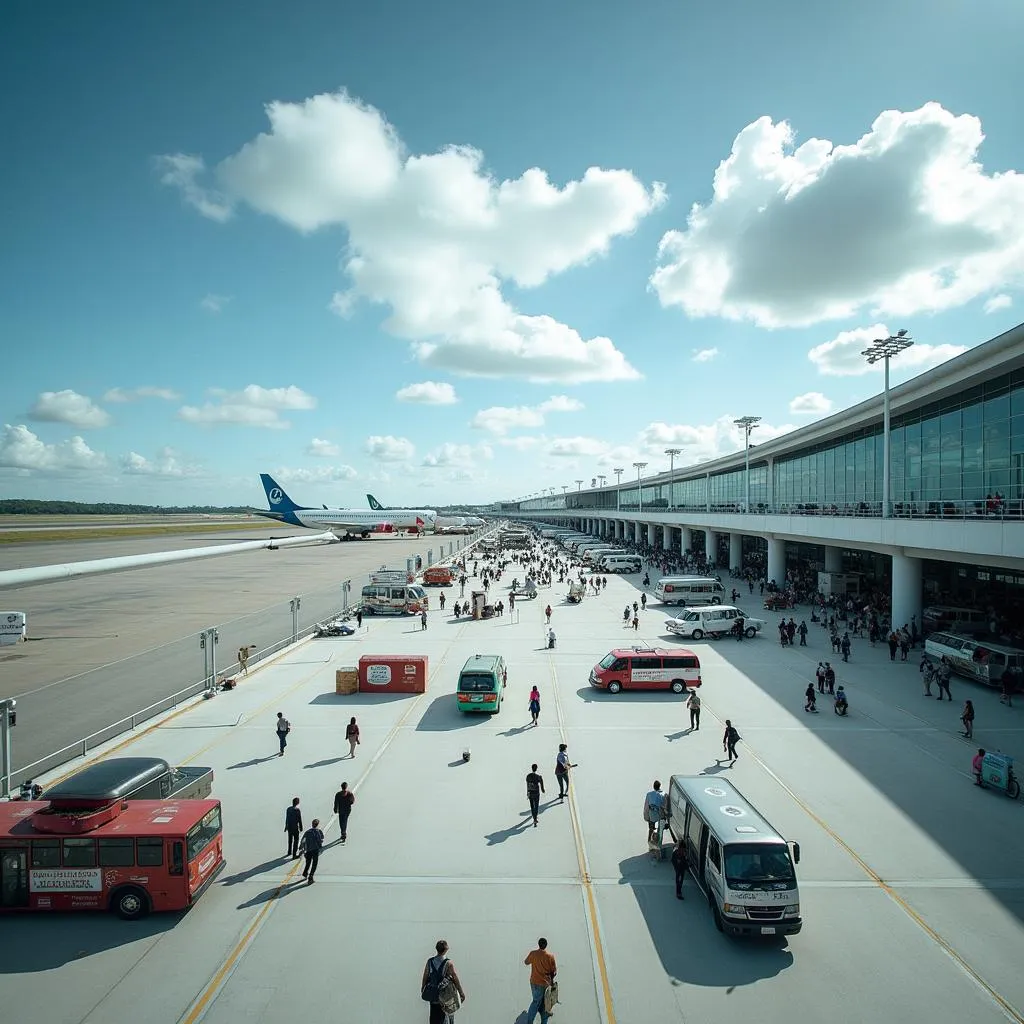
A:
{"x": 442, "y": 524}
{"x": 350, "y": 521}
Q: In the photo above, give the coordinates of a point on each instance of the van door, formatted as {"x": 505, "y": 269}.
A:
{"x": 14, "y": 876}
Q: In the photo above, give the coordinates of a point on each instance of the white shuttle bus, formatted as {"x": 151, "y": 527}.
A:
{"x": 743, "y": 866}
{"x": 689, "y": 590}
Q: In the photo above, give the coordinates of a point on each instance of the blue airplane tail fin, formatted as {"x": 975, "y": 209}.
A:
{"x": 374, "y": 503}
{"x": 276, "y": 497}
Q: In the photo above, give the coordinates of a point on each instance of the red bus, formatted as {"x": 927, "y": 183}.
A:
{"x": 127, "y": 856}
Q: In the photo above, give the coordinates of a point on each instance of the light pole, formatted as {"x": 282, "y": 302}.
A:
{"x": 748, "y": 423}
{"x": 579, "y": 485}
{"x": 672, "y": 453}
{"x": 638, "y": 466}
{"x": 885, "y": 349}
{"x": 618, "y": 487}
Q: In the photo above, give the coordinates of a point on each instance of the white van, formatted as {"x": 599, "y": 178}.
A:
{"x": 975, "y": 659}
{"x": 689, "y": 590}
{"x": 743, "y": 866}
{"x": 620, "y": 561}
{"x": 594, "y": 555}
{"x": 712, "y": 620}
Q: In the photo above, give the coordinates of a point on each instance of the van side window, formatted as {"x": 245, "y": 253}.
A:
{"x": 715, "y": 854}
{"x": 693, "y": 826}
{"x": 646, "y": 663}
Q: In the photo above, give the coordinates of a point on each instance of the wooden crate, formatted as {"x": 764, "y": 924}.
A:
{"x": 346, "y": 680}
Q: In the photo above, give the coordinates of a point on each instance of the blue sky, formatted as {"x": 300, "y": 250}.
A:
{"x": 451, "y": 253}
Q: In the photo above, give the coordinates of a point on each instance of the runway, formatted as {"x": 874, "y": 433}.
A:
{"x": 104, "y": 647}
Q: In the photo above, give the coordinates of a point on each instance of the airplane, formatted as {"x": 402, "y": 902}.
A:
{"x": 350, "y": 521}
{"x": 442, "y": 524}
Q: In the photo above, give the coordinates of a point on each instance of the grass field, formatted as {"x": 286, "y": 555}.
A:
{"x": 28, "y": 535}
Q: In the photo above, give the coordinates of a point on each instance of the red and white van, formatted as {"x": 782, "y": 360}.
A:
{"x": 647, "y": 668}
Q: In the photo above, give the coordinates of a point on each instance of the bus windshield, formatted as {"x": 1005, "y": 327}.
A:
{"x": 759, "y": 866}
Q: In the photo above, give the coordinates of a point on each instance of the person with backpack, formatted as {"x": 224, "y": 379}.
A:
{"x": 729, "y": 740}
{"x": 312, "y": 844}
{"x": 352, "y": 735}
{"x": 283, "y": 727}
{"x": 693, "y": 706}
{"x": 440, "y": 986}
{"x": 343, "y": 801}
{"x": 542, "y": 980}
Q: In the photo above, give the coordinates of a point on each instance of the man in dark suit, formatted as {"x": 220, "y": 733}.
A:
{"x": 293, "y": 826}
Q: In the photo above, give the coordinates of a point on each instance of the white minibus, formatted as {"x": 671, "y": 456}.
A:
{"x": 620, "y": 561}
{"x": 689, "y": 590}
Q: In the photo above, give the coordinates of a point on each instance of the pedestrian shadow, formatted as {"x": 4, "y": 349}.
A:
{"x": 328, "y": 760}
{"x": 718, "y": 766}
{"x": 494, "y": 838}
{"x": 517, "y": 730}
{"x": 275, "y": 892}
{"x": 456, "y": 763}
{"x": 255, "y": 761}
{"x": 258, "y": 869}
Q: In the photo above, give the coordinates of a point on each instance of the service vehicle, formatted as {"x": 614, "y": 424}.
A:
{"x": 948, "y": 619}
{"x": 438, "y": 576}
{"x": 110, "y": 853}
{"x": 593, "y": 556}
{"x": 619, "y": 561}
{"x": 646, "y": 668}
{"x": 975, "y": 659}
{"x": 481, "y": 683}
{"x": 576, "y": 593}
{"x": 713, "y": 620}
{"x": 386, "y": 575}
{"x": 742, "y": 864}
{"x": 394, "y": 599}
{"x": 689, "y": 590}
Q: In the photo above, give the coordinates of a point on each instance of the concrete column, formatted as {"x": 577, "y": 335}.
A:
{"x": 710, "y": 546}
{"x": 735, "y": 550}
{"x": 777, "y": 560}
{"x": 906, "y": 590}
{"x": 650, "y": 534}
{"x": 834, "y": 560}
{"x": 666, "y": 538}
{"x": 685, "y": 539}
{"x": 638, "y": 536}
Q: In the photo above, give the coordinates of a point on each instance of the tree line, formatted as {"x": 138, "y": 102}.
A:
{"x": 35, "y": 507}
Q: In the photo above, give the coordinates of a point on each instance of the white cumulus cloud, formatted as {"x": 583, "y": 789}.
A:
{"x": 998, "y": 302}
{"x": 134, "y": 394}
{"x": 457, "y": 455}
{"x": 23, "y": 450}
{"x": 902, "y": 221}
{"x": 842, "y": 356}
{"x": 69, "y": 407}
{"x": 428, "y": 392}
{"x": 166, "y": 464}
{"x": 390, "y": 449}
{"x": 320, "y": 475}
{"x": 704, "y": 355}
{"x": 253, "y": 406}
{"x": 813, "y": 403}
{"x": 434, "y": 237}
{"x": 322, "y": 449}
{"x": 701, "y": 442}
{"x": 500, "y": 419}
{"x": 214, "y": 303}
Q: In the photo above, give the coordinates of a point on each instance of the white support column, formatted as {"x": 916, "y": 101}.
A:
{"x": 777, "y": 561}
{"x": 710, "y": 546}
{"x": 906, "y": 590}
{"x": 735, "y": 550}
{"x": 638, "y": 534}
{"x": 650, "y": 534}
{"x": 620, "y": 529}
{"x": 666, "y": 538}
{"x": 686, "y": 539}
{"x": 834, "y": 559}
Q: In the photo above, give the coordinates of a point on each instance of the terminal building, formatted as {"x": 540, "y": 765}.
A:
{"x": 953, "y": 534}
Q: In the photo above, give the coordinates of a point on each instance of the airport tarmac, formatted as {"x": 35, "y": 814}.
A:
{"x": 104, "y": 647}
{"x": 910, "y": 876}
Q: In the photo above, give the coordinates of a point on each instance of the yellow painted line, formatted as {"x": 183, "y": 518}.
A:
{"x": 606, "y": 1004}
{"x": 202, "y": 1003}
{"x": 1011, "y": 1012}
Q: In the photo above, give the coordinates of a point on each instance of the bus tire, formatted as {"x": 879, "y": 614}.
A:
{"x": 130, "y": 903}
{"x": 614, "y": 687}
{"x": 678, "y": 686}
{"x": 697, "y": 634}
{"x": 1013, "y": 789}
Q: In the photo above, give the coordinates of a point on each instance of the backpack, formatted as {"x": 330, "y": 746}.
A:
{"x": 431, "y": 991}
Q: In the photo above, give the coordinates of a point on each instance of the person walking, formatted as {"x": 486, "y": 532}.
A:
{"x": 654, "y": 803}
{"x": 894, "y": 643}
{"x": 562, "y": 767}
{"x": 542, "y": 976}
{"x": 802, "y": 630}
{"x": 534, "y": 788}
{"x": 830, "y": 678}
{"x": 293, "y": 826}
{"x": 643, "y": 601}
{"x": 679, "y": 866}
{"x": 967, "y": 717}
{"x": 243, "y": 659}
{"x": 435, "y": 971}
{"x": 925, "y": 668}
{"x": 819, "y": 675}
{"x": 636, "y": 623}
{"x": 352, "y": 735}
{"x": 359, "y": 618}
{"x": 312, "y": 844}
{"x": 423, "y": 619}
{"x": 942, "y": 678}
{"x": 440, "y": 600}
{"x": 729, "y": 740}
{"x": 343, "y": 801}
{"x": 844, "y": 646}
{"x": 283, "y": 728}
{"x": 693, "y": 706}
{"x": 534, "y": 705}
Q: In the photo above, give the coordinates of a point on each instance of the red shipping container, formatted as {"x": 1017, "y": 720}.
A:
{"x": 393, "y": 673}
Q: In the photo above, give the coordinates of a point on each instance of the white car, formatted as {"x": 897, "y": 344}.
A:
{"x": 713, "y": 621}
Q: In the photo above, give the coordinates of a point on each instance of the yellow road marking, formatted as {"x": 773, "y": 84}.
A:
{"x": 1011, "y": 1012}
{"x": 593, "y": 918}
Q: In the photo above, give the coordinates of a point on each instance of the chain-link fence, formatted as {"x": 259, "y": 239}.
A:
{"x": 116, "y": 698}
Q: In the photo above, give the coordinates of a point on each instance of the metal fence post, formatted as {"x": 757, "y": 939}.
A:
{"x": 296, "y": 604}
{"x": 430, "y": 556}
{"x": 7, "y": 719}
{"x": 346, "y": 586}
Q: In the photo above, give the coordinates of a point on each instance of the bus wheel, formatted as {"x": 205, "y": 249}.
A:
{"x": 130, "y": 903}
{"x": 614, "y": 687}
{"x": 678, "y": 686}
{"x": 1013, "y": 789}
